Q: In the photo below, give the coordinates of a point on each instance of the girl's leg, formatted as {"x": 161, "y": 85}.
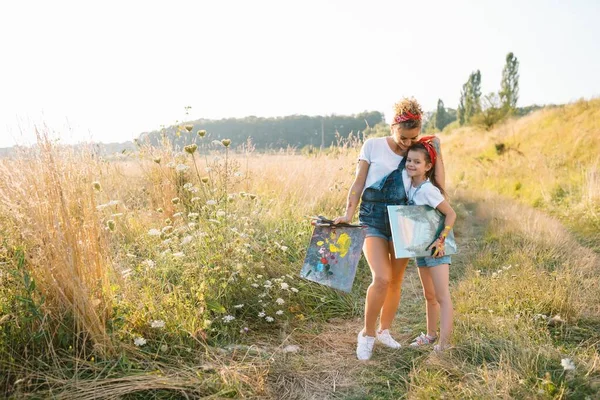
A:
{"x": 432, "y": 307}
{"x": 392, "y": 300}
{"x": 376, "y": 253}
{"x": 440, "y": 278}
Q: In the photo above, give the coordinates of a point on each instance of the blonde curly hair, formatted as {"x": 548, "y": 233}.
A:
{"x": 407, "y": 106}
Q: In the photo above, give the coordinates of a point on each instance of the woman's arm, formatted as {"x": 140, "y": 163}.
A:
{"x": 439, "y": 171}
{"x": 355, "y": 192}
{"x": 445, "y": 208}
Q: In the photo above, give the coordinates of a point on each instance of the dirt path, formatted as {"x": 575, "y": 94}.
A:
{"x": 325, "y": 366}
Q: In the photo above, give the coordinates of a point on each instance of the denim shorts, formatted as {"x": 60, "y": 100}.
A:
{"x": 428, "y": 262}
{"x": 375, "y": 217}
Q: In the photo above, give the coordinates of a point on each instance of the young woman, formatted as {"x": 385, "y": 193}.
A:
{"x": 378, "y": 183}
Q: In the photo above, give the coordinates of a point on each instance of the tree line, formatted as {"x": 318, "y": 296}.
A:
{"x": 486, "y": 111}
{"x": 272, "y": 133}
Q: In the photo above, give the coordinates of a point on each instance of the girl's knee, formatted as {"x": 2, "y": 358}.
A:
{"x": 381, "y": 282}
{"x": 443, "y": 298}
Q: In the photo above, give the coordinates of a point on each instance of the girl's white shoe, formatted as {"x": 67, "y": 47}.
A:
{"x": 364, "y": 347}
{"x": 386, "y": 339}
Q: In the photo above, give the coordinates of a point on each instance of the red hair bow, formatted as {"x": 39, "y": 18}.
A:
{"x": 407, "y": 116}
{"x": 427, "y": 142}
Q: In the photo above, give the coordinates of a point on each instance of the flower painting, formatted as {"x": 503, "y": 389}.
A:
{"x": 333, "y": 255}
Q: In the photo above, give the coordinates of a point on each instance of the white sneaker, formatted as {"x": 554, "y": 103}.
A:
{"x": 364, "y": 347}
{"x": 387, "y": 339}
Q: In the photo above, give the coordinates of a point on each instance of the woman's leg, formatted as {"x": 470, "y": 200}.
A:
{"x": 392, "y": 300}
{"x": 376, "y": 253}
{"x": 432, "y": 306}
{"x": 440, "y": 278}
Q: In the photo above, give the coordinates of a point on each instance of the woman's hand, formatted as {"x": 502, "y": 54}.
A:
{"x": 342, "y": 220}
{"x": 439, "y": 248}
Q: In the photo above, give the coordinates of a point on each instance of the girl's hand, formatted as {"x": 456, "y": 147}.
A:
{"x": 342, "y": 220}
{"x": 439, "y": 248}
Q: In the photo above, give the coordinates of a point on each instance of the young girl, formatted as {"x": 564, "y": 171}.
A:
{"x": 422, "y": 189}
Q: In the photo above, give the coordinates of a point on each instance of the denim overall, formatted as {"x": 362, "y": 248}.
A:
{"x": 373, "y": 213}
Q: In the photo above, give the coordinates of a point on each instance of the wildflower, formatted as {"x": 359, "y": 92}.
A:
{"x": 191, "y": 148}
{"x": 252, "y": 196}
{"x": 139, "y": 341}
{"x": 149, "y": 263}
{"x": 228, "y": 318}
{"x": 244, "y": 330}
{"x": 284, "y": 286}
{"x": 189, "y": 127}
{"x": 201, "y": 133}
{"x": 154, "y": 232}
{"x": 261, "y": 314}
{"x": 226, "y": 142}
{"x": 283, "y": 248}
{"x": 279, "y": 312}
{"x": 164, "y": 348}
{"x": 179, "y": 254}
{"x": 280, "y": 301}
{"x": 157, "y": 160}
{"x": 167, "y": 229}
{"x": 214, "y": 221}
{"x": 157, "y": 323}
{"x": 192, "y": 225}
{"x": 175, "y": 200}
{"x": 177, "y": 214}
{"x": 238, "y": 306}
{"x": 159, "y": 210}
{"x": 231, "y": 197}
{"x": 262, "y": 295}
{"x": 269, "y": 319}
{"x": 181, "y": 168}
{"x": 211, "y": 203}
{"x": 221, "y": 213}
{"x": 567, "y": 364}
{"x": 111, "y": 224}
{"x": 195, "y": 199}
{"x": 129, "y": 255}
{"x": 97, "y": 186}
{"x": 294, "y": 290}
{"x": 254, "y": 285}
{"x": 171, "y": 165}
{"x": 168, "y": 221}
{"x": 208, "y": 169}
{"x": 204, "y": 179}
{"x": 186, "y": 240}
{"x": 216, "y": 142}
{"x": 193, "y": 215}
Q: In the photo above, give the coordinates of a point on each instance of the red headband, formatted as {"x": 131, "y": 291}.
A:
{"x": 426, "y": 141}
{"x": 407, "y": 116}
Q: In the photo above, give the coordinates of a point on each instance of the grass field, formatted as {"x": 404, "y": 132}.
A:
{"x": 164, "y": 274}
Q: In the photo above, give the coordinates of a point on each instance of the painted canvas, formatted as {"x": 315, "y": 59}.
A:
{"x": 333, "y": 254}
{"x": 414, "y": 229}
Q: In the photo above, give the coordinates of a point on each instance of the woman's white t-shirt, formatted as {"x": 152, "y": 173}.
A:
{"x": 381, "y": 158}
{"x": 428, "y": 194}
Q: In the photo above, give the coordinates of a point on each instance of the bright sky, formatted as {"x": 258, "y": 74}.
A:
{"x": 109, "y": 70}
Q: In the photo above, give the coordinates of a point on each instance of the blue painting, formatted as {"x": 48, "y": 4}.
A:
{"x": 415, "y": 228}
{"x": 333, "y": 254}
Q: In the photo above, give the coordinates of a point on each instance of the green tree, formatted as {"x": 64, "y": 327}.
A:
{"x": 470, "y": 98}
{"x": 460, "y": 111}
{"x": 509, "y": 93}
{"x": 441, "y": 116}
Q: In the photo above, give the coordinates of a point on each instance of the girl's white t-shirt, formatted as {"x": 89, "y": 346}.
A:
{"x": 428, "y": 194}
{"x": 381, "y": 158}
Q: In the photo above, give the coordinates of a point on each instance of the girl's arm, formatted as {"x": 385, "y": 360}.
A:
{"x": 450, "y": 214}
{"x": 355, "y": 192}
{"x": 440, "y": 171}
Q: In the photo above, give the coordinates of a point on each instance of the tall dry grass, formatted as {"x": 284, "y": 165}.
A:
{"x": 49, "y": 204}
